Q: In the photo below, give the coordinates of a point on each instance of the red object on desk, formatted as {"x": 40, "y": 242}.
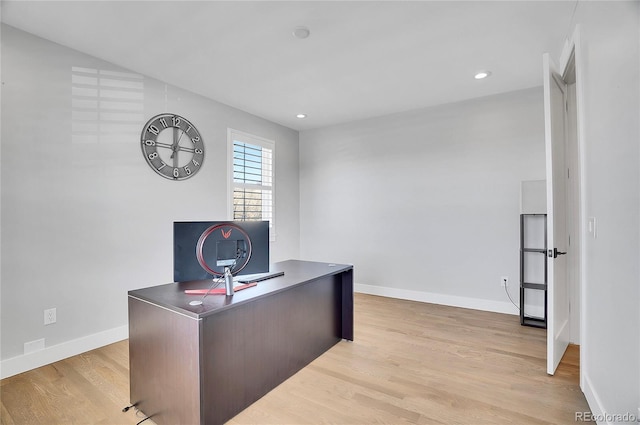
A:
{"x": 218, "y": 291}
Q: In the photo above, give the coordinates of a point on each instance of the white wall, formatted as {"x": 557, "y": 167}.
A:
{"x": 610, "y": 72}
{"x": 83, "y": 223}
{"x": 426, "y": 203}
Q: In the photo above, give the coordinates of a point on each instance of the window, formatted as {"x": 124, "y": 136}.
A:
{"x": 252, "y": 178}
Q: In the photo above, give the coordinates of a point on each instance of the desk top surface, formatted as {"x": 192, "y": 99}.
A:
{"x": 173, "y": 297}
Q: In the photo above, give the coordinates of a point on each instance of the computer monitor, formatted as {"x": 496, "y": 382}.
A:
{"x": 203, "y": 249}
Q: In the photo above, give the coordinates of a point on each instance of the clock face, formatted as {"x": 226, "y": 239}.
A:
{"x": 172, "y": 146}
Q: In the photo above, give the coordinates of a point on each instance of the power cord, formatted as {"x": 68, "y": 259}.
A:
{"x": 133, "y": 406}
{"x": 509, "y": 295}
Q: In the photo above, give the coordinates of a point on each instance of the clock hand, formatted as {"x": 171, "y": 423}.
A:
{"x": 176, "y": 146}
{"x": 185, "y": 149}
{"x": 164, "y": 145}
{"x": 180, "y": 138}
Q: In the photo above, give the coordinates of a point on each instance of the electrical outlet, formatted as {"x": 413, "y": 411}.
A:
{"x": 50, "y": 316}
{"x": 504, "y": 281}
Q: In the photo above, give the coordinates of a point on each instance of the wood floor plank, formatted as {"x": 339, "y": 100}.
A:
{"x": 410, "y": 363}
{"x": 76, "y": 390}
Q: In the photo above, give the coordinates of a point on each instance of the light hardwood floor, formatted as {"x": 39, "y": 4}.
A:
{"x": 410, "y": 363}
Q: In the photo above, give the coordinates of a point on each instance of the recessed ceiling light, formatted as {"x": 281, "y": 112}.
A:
{"x": 301, "y": 32}
{"x": 482, "y": 74}
{"x": 301, "y": 116}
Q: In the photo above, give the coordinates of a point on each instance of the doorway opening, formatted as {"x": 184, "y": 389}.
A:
{"x": 573, "y": 201}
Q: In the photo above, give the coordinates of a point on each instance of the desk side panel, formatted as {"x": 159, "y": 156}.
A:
{"x": 347, "y": 304}
{"x": 249, "y": 350}
{"x": 164, "y": 363}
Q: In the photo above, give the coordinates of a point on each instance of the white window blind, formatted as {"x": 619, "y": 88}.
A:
{"x": 252, "y": 182}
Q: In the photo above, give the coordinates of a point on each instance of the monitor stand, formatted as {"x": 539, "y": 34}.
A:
{"x": 228, "y": 281}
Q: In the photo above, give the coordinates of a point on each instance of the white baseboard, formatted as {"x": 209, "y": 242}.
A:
{"x": 592, "y": 397}
{"x": 598, "y": 411}
{"x": 19, "y": 364}
{"x": 434, "y": 298}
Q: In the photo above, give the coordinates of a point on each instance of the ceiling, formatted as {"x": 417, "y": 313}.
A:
{"x": 363, "y": 59}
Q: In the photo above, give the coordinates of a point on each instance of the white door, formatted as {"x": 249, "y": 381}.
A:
{"x": 558, "y": 330}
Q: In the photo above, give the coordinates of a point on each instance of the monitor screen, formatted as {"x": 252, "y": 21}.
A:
{"x": 202, "y": 249}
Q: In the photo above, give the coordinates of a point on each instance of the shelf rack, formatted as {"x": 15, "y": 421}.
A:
{"x": 530, "y": 232}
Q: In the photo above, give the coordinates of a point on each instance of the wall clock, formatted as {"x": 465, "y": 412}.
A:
{"x": 172, "y": 146}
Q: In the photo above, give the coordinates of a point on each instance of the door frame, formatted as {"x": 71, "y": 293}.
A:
{"x": 572, "y": 56}
{"x": 558, "y": 223}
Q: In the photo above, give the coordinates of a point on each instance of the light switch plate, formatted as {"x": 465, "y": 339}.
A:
{"x": 591, "y": 227}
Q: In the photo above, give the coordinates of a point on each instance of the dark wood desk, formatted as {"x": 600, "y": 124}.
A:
{"x": 205, "y": 364}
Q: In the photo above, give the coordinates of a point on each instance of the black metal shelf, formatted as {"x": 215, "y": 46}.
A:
{"x": 537, "y": 322}
{"x": 526, "y": 320}
{"x": 540, "y": 286}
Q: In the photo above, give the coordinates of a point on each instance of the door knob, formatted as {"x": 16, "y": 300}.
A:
{"x": 555, "y": 253}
